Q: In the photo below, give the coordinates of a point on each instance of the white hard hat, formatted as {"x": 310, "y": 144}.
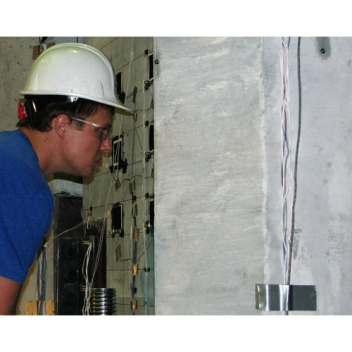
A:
{"x": 75, "y": 70}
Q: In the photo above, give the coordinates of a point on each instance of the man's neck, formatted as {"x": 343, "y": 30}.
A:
{"x": 43, "y": 144}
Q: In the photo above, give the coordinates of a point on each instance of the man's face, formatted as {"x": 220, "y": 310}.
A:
{"x": 84, "y": 148}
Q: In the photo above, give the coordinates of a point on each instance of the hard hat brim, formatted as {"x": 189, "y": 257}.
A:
{"x": 88, "y": 97}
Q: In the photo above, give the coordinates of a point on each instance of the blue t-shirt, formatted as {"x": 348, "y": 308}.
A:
{"x": 26, "y": 205}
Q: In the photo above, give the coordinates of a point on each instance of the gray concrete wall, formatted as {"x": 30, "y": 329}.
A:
{"x": 218, "y": 173}
{"x": 209, "y": 175}
{"x": 15, "y": 63}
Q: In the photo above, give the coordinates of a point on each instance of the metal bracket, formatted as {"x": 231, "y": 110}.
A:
{"x": 285, "y": 297}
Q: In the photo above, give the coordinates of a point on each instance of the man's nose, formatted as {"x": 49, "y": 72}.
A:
{"x": 106, "y": 145}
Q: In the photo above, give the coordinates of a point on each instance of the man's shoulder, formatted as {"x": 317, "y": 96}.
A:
{"x": 20, "y": 170}
{"x": 14, "y": 143}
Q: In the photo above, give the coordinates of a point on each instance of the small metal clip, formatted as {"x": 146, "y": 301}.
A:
{"x": 134, "y": 305}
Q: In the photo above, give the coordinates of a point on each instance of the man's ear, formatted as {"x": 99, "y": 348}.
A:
{"x": 61, "y": 123}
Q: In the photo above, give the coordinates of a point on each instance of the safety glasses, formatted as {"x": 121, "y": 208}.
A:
{"x": 100, "y": 131}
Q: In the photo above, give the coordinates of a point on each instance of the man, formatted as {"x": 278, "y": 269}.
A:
{"x": 64, "y": 127}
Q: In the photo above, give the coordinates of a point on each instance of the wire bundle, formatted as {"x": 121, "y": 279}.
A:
{"x": 87, "y": 287}
{"x": 289, "y": 179}
{"x": 286, "y": 158}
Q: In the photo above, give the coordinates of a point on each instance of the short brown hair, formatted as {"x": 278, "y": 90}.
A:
{"x": 47, "y": 107}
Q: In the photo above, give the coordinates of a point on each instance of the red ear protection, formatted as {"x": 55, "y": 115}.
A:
{"x": 22, "y": 111}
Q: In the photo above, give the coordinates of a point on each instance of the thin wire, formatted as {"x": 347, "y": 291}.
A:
{"x": 296, "y": 156}
{"x": 140, "y": 144}
{"x": 71, "y": 229}
{"x": 145, "y": 251}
